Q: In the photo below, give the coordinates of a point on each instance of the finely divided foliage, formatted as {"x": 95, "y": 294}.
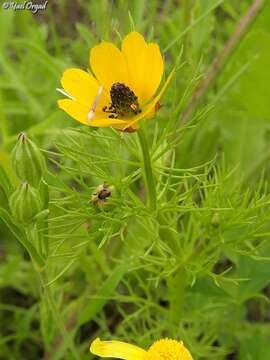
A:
{"x": 149, "y": 228}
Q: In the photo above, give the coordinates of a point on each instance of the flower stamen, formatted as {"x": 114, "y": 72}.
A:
{"x": 123, "y": 102}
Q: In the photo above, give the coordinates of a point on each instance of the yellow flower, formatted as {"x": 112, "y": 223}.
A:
{"x": 164, "y": 349}
{"x": 122, "y": 92}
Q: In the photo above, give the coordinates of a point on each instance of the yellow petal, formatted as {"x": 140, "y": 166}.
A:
{"x": 108, "y": 64}
{"x": 145, "y": 66}
{"x": 154, "y": 71}
{"x": 117, "y": 349}
{"x": 83, "y": 87}
{"x": 134, "y": 49}
{"x": 148, "y": 110}
{"x": 80, "y": 112}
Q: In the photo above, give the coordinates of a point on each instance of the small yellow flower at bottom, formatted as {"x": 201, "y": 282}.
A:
{"x": 164, "y": 349}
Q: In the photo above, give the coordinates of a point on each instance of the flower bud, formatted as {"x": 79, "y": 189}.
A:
{"x": 27, "y": 161}
{"x": 25, "y": 203}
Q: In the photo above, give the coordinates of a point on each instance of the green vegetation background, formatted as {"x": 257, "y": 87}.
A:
{"x": 105, "y": 277}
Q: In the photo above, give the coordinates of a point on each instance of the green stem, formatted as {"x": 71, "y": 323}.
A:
{"x": 169, "y": 235}
{"x": 57, "y": 317}
{"x": 38, "y": 261}
{"x": 177, "y": 282}
{"x": 21, "y": 236}
{"x": 176, "y": 292}
{"x": 148, "y": 172}
{"x": 220, "y": 61}
{"x": 187, "y": 18}
{"x": 3, "y": 121}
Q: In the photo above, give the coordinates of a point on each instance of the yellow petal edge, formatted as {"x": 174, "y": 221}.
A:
{"x": 117, "y": 349}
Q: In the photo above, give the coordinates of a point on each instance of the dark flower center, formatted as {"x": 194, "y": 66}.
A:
{"x": 123, "y": 102}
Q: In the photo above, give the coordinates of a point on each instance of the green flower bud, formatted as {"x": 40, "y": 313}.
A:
{"x": 25, "y": 203}
{"x": 27, "y": 161}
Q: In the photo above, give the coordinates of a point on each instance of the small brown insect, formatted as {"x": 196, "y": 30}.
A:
{"x": 102, "y": 193}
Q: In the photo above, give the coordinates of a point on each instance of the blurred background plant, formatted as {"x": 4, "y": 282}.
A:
{"x": 111, "y": 267}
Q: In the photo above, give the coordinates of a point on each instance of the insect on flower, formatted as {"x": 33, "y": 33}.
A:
{"x": 164, "y": 349}
{"x": 122, "y": 90}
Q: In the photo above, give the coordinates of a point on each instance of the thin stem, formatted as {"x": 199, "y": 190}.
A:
{"x": 176, "y": 282}
{"x": 178, "y": 279}
{"x": 148, "y": 172}
{"x": 168, "y": 235}
{"x": 3, "y": 121}
{"x": 57, "y": 317}
{"x": 26, "y": 240}
{"x": 176, "y": 292}
{"x": 187, "y": 18}
{"x": 221, "y": 59}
